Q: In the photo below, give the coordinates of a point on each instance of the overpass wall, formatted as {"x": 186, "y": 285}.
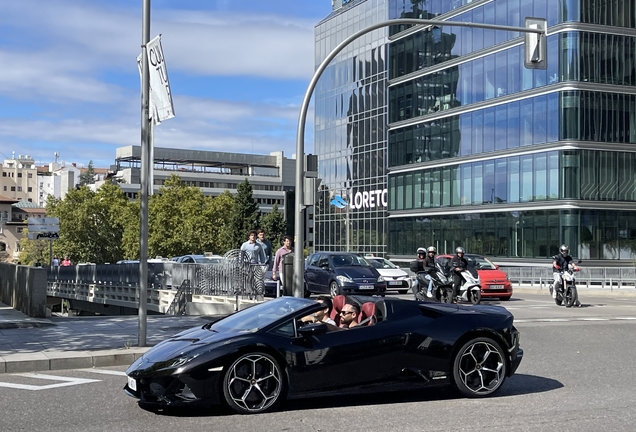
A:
{"x": 24, "y": 289}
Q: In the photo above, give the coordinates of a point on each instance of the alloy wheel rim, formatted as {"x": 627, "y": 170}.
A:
{"x": 334, "y": 289}
{"x": 254, "y": 382}
{"x": 481, "y": 368}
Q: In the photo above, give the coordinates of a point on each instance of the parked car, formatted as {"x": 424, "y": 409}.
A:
{"x": 395, "y": 277}
{"x": 494, "y": 282}
{"x": 266, "y": 353}
{"x": 199, "y": 259}
{"x": 342, "y": 273}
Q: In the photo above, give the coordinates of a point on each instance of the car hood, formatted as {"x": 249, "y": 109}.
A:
{"x": 186, "y": 344}
{"x": 391, "y": 272}
{"x": 492, "y": 275}
{"x": 356, "y": 272}
{"x": 481, "y": 309}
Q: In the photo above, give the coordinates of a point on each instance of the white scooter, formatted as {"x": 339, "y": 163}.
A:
{"x": 470, "y": 290}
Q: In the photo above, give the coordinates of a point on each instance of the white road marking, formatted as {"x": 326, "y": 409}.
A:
{"x": 66, "y": 382}
{"x": 104, "y": 372}
{"x": 554, "y": 319}
{"x": 593, "y": 319}
{"x": 625, "y": 318}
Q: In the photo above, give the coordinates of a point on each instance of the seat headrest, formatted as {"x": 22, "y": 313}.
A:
{"x": 367, "y": 314}
{"x": 338, "y": 303}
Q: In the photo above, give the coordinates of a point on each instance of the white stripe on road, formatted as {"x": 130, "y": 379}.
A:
{"x": 625, "y": 318}
{"x": 66, "y": 382}
{"x": 104, "y": 372}
{"x": 553, "y": 319}
{"x": 593, "y": 319}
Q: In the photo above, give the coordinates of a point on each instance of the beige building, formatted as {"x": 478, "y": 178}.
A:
{"x": 13, "y": 225}
{"x": 18, "y": 178}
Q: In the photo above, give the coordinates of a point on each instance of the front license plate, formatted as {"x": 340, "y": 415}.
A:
{"x": 366, "y": 287}
{"x": 496, "y": 286}
{"x": 395, "y": 282}
{"x": 132, "y": 384}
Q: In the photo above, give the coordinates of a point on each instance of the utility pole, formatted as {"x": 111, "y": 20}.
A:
{"x": 145, "y": 167}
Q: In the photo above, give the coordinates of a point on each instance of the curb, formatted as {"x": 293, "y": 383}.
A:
{"x": 60, "y": 360}
{"x": 4, "y": 325}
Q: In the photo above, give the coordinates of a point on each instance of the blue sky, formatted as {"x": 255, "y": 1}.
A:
{"x": 238, "y": 71}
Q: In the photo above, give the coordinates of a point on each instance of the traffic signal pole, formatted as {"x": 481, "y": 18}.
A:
{"x": 535, "y": 55}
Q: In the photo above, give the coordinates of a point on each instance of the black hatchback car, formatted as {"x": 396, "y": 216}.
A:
{"x": 342, "y": 273}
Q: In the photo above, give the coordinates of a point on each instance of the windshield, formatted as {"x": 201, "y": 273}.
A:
{"x": 484, "y": 263}
{"x": 207, "y": 260}
{"x": 256, "y": 317}
{"x": 382, "y": 264}
{"x": 348, "y": 261}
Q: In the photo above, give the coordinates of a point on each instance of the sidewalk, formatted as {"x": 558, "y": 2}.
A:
{"x": 35, "y": 344}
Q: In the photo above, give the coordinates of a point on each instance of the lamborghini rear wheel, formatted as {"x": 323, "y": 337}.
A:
{"x": 479, "y": 368}
{"x": 253, "y": 383}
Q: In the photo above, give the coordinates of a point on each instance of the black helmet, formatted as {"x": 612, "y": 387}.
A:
{"x": 431, "y": 249}
{"x": 459, "y": 250}
{"x": 565, "y": 250}
{"x": 421, "y": 251}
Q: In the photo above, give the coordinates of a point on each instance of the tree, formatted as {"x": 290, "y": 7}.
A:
{"x": 32, "y": 251}
{"x": 246, "y": 214}
{"x": 275, "y": 227}
{"x": 220, "y": 213}
{"x": 91, "y": 224}
{"x": 88, "y": 176}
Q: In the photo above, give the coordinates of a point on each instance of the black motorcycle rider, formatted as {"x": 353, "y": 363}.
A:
{"x": 560, "y": 263}
{"x": 458, "y": 264}
{"x": 429, "y": 264}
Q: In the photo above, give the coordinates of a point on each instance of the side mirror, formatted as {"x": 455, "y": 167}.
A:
{"x": 496, "y": 267}
{"x": 313, "y": 329}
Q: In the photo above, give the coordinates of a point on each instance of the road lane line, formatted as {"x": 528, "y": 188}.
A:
{"x": 104, "y": 371}
{"x": 66, "y": 382}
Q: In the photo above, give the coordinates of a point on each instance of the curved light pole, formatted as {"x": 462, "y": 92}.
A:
{"x": 299, "y": 224}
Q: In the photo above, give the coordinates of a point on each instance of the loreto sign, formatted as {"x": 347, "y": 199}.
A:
{"x": 370, "y": 199}
{"x": 363, "y": 200}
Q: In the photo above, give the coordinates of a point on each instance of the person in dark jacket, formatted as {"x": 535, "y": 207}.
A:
{"x": 429, "y": 263}
{"x": 560, "y": 263}
{"x": 458, "y": 264}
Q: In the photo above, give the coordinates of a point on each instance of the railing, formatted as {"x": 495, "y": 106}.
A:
{"x": 617, "y": 277}
{"x": 117, "y": 284}
{"x": 180, "y": 300}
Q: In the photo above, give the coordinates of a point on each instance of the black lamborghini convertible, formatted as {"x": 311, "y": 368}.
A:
{"x": 261, "y": 355}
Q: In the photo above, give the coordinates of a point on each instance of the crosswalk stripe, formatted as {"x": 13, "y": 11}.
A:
{"x": 104, "y": 372}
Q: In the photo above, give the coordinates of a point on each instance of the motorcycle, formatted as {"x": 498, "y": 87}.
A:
{"x": 442, "y": 285}
{"x": 470, "y": 289}
{"x": 567, "y": 293}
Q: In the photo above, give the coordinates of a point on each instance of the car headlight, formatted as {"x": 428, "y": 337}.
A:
{"x": 344, "y": 279}
{"x": 183, "y": 360}
{"x": 381, "y": 279}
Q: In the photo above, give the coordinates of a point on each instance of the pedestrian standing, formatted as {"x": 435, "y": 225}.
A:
{"x": 278, "y": 259}
{"x": 56, "y": 261}
{"x": 253, "y": 249}
{"x": 66, "y": 262}
{"x": 266, "y": 245}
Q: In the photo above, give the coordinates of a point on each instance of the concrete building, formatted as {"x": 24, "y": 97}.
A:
{"x": 18, "y": 178}
{"x": 13, "y": 222}
{"x": 272, "y": 176}
{"x": 479, "y": 151}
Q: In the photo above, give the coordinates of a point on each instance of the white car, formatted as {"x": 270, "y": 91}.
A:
{"x": 395, "y": 277}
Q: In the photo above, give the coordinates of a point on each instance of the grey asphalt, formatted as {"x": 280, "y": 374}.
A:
{"x": 35, "y": 344}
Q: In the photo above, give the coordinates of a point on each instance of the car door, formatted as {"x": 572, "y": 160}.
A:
{"x": 311, "y": 272}
{"x": 343, "y": 358}
{"x": 324, "y": 273}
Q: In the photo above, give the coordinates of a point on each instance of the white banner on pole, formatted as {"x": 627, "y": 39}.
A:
{"x": 160, "y": 93}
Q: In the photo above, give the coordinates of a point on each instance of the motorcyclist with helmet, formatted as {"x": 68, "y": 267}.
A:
{"x": 560, "y": 262}
{"x": 458, "y": 264}
{"x": 429, "y": 263}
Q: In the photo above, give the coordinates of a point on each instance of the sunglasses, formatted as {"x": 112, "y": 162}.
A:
{"x": 346, "y": 312}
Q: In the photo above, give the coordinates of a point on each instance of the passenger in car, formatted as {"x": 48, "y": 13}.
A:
{"x": 321, "y": 315}
{"x": 349, "y": 315}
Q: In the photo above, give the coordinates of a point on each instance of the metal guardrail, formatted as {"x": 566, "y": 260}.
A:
{"x": 110, "y": 283}
{"x": 618, "y": 277}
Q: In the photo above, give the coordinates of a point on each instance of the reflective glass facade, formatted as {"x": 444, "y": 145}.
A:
{"x": 503, "y": 160}
{"x": 350, "y": 132}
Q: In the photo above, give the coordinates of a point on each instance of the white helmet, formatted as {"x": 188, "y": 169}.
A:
{"x": 421, "y": 251}
{"x": 565, "y": 250}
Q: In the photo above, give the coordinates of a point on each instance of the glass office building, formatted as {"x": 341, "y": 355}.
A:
{"x": 506, "y": 161}
{"x": 350, "y": 131}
